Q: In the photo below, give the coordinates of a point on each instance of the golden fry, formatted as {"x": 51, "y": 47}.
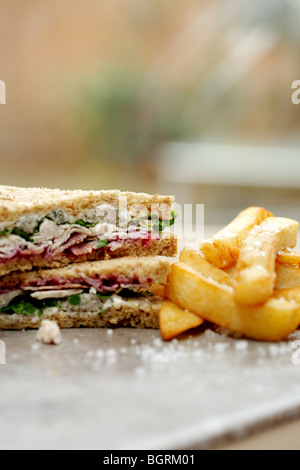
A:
{"x": 255, "y": 269}
{"x": 231, "y": 270}
{"x": 292, "y": 294}
{"x": 223, "y": 248}
{"x": 273, "y": 321}
{"x": 289, "y": 257}
{"x": 196, "y": 260}
{"x": 287, "y": 276}
{"x": 174, "y": 320}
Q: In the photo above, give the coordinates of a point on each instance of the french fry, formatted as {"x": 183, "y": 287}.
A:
{"x": 174, "y": 320}
{"x": 255, "y": 269}
{"x": 289, "y": 257}
{"x": 157, "y": 289}
{"x": 231, "y": 270}
{"x": 292, "y": 294}
{"x": 287, "y": 276}
{"x": 223, "y": 248}
{"x": 273, "y": 321}
{"x": 196, "y": 260}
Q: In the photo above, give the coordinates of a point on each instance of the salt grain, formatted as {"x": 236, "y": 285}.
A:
{"x": 111, "y": 352}
{"x": 209, "y": 334}
{"x": 261, "y": 351}
{"x": 157, "y": 342}
{"x": 111, "y": 360}
{"x": 223, "y": 331}
{"x": 221, "y": 347}
{"x": 241, "y": 345}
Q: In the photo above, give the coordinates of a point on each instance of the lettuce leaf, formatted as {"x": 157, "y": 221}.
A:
{"x": 102, "y": 243}
{"x": 85, "y": 224}
{"x": 27, "y": 305}
{"x": 81, "y": 222}
{"x": 17, "y": 231}
{"x": 160, "y": 225}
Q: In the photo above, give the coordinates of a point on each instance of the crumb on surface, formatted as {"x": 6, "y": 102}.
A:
{"x": 49, "y": 333}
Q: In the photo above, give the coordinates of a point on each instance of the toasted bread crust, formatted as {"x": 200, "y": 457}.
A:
{"x": 145, "y": 269}
{"x": 162, "y": 247}
{"x": 141, "y": 313}
{"x": 18, "y": 202}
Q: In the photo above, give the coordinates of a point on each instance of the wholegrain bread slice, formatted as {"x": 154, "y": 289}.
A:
{"x": 136, "y": 313}
{"x": 147, "y": 270}
{"x": 18, "y": 202}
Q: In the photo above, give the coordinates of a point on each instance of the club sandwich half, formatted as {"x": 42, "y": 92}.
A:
{"x": 42, "y": 227}
{"x": 119, "y": 292}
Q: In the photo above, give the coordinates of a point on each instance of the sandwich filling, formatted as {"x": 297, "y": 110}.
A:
{"x": 84, "y": 293}
{"x": 55, "y": 234}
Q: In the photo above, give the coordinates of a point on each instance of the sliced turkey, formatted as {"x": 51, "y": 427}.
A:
{"x": 55, "y": 294}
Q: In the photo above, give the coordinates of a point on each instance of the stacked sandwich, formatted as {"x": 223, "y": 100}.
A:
{"x": 82, "y": 258}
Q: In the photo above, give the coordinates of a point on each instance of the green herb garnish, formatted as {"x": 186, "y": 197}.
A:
{"x": 131, "y": 294}
{"x": 6, "y": 231}
{"x": 100, "y": 311}
{"x": 39, "y": 223}
{"x": 102, "y": 243}
{"x": 104, "y": 296}
{"x": 126, "y": 293}
{"x": 85, "y": 224}
{"x": 23, "y": 307}
{"x": 74, "y": 299}
{"x": 81, "y": 222}
{"x": 37, "y": 227}
{"x": 27, "y": 305}
{"x": 160, "y": 225}
{"x": 20, "y": 233}
{"x": 46, "y": 303}
{"x": 17, "y": 231}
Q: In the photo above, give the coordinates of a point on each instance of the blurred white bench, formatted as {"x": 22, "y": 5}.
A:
{"x": 235, "y": 165}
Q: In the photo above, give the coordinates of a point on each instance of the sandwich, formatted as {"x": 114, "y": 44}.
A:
{"x": 51, "y": 228}
{"x": 119, "y": 292}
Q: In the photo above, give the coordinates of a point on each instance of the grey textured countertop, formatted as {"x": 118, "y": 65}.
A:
{"x": 112, "y": 389}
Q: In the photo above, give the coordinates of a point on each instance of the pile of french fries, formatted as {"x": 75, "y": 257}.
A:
{"x": 245, "y": 278}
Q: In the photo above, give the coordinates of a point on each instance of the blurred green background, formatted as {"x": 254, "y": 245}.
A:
{"x": 186, "y": 97}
